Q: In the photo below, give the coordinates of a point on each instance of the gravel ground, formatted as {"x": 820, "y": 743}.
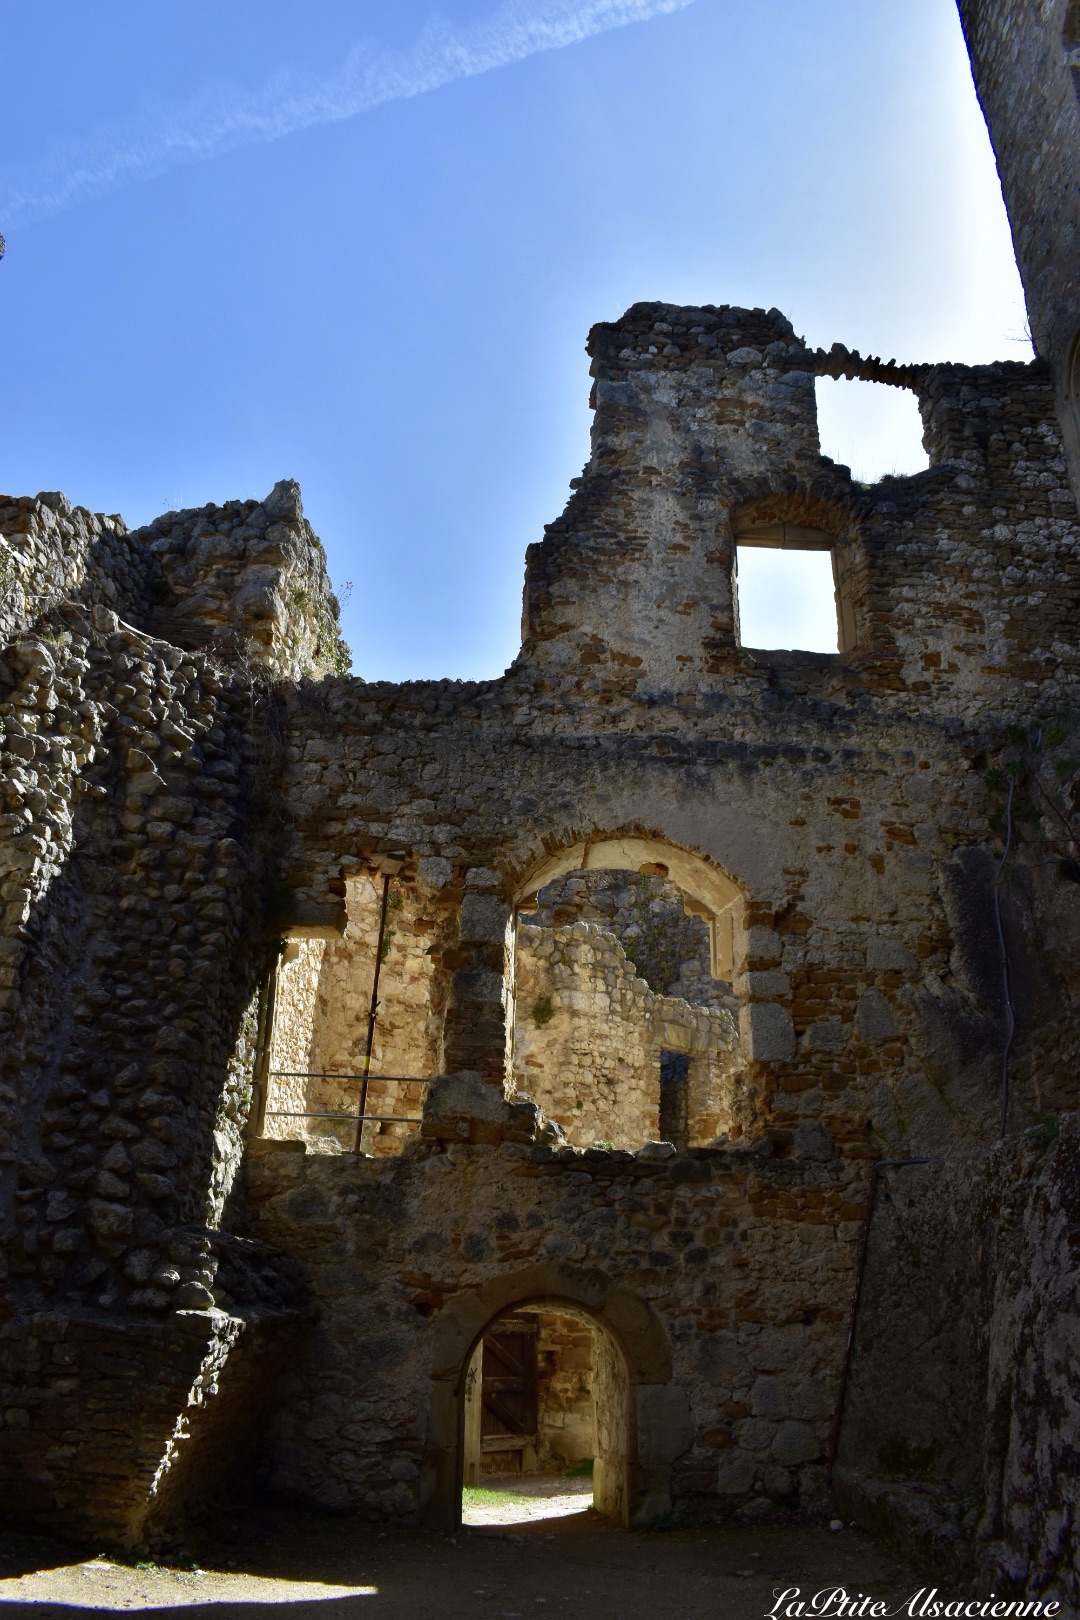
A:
{"x": 333, "y": 1569}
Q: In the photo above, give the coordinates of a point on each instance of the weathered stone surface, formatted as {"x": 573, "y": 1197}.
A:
{"x": 199, "y": 817}
{"x": 1026, "y": 62}
{"x": 964, "y": 1380}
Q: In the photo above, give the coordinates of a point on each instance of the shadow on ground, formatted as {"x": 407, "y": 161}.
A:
{"x": 250, "y": 1565}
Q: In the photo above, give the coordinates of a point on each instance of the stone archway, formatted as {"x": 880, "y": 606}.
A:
{"x": 707, "y": 887}
{"x": 652, "y": 971}
{"x": 652, "y": 1414}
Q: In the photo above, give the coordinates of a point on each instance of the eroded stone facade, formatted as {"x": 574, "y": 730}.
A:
{"x": 199, "y": 818}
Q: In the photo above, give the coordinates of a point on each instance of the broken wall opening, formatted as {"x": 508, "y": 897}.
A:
{"x": 786, "y": 599}
{"x": 612, "y": 966}
{"x": 874, "y": 428}
{"x": 793, "y": 588}
{"x": 319, "y": 1068}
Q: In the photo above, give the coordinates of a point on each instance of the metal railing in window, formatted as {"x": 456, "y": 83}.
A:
{"x": 362, "y": 1117}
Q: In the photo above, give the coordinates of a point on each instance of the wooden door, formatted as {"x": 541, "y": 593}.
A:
{"x": 508, "y": 1388}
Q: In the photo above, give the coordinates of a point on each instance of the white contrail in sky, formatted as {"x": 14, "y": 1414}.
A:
{"x": 222, "y": 116}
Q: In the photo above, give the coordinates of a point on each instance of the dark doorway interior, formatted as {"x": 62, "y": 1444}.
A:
{"x": 674, "y": 1102}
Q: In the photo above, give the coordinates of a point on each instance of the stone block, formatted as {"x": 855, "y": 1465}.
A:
{"x": 763, "y": 946}
{"x": 813, "y": 1141}
{"x": 768, "y": 1397}
{"x": 484, "y": 919}
{"x": 796, "y": 1442}
{"x": 467, "y": 1094}
{"x": 767, "y": 1032}
{"x": 665, "y": 1427}
{"x": 874, "y": 1017}
{"x": 735, "y": 1472}
{"x": 829, "y": 1035}
{"x": 889, "y": 956}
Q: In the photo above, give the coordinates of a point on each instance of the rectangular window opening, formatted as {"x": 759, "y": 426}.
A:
{"x": 791, "y": 599}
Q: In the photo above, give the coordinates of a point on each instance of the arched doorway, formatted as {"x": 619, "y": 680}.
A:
{"x": 642, "y": 1421}
{"x": 547, "y": 1403}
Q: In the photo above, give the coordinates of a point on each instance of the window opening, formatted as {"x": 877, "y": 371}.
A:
{"x": 347, "y": 1053}
{"x": 787, "y": 597}
{"x": 873, "y": 428}
{"x": 674, "y": 1098}
{"x": 614, "y": 966}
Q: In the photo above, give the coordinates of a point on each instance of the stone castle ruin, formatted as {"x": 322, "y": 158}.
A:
{"x": 674, "y": 1035}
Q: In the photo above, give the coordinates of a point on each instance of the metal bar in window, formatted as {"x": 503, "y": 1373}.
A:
{"x": 380, "y": 1119}
{"x": 331, "y": 1074}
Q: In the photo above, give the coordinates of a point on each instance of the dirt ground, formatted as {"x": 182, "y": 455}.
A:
{"x": 505, "y": 1504}
{"x": 333, "y": 1569}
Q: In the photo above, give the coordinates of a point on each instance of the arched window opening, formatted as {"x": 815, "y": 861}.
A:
{"x": 546, "y": 1418}
{"x": 619, "y": 960}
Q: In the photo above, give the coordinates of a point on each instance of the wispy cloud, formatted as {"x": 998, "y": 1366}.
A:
{"x": 223, "y": 116}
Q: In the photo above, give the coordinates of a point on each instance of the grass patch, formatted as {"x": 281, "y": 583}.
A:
{"x": 481, "y": 1496}
{"x": 580, "y": 1470}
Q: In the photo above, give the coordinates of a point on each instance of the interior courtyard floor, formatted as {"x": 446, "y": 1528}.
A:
{"x": 333, "y": 1569}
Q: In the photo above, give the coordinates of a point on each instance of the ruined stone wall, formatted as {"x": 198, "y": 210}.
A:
{"x": 745, "y": 1261}
{"x": 669, "y": 948}
{"x": 137, "y": 835}
{"x": 895, "y": 823}
{"x": 852, "y": 798}
{"x": 249, "y": 580}
{"x": 565, "y": 1371}
{"x": 1025, "y": 57}
{"x": 121, "y": 1429}
{"x": 52, "y": 552}
{"x": 589, "y": 1033}
{"x": 582, "y": 1046}
{"x": 126, "y": 1052}
{"x": 962, "y": 1423}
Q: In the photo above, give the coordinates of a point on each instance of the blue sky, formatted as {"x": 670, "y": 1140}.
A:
{"x": 360, "y": 243}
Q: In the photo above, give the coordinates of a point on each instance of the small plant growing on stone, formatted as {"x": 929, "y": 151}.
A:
{"x": 543, "y": 1012}
{"x": 1047, "y": 1127}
